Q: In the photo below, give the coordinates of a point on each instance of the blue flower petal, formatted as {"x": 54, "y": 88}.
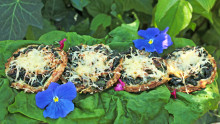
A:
{"x": 149, "y": 48}
{"x": 44, "y": 98}
{"x": 159, "y": 50}
{"x": 59, "y": 109}
{"x": 50, "y": 111}
{"x": 158, "y": 43}
{"x": 143, "y": 44}
{"x": 167, "y": 42}
{"x": 66, "y": 91}
{"x": 53, "y": 86}
{"x": 140, "y": 43}
{"x": 149, "y": 33}
{"x": 165, "y": 30}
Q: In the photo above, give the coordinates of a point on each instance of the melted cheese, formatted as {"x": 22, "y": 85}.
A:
{"x": 187, "y": 62}
{"x": 91, "y": 63}
{"x": 136, "y": 65}
{"x": 32, "y": 61}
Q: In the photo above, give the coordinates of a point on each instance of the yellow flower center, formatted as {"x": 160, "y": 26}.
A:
{"x": 55, "y": 99}
{"x": 150, "y": 41}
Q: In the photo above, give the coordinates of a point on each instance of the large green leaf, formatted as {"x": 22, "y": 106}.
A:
{"x": 175, "y": 14}
{"x": 218, "y": 58}
{"x": 144, "y": 6}
{"x": 123, "y": 46}
{"x": 212, "y": 37}
{"x": 70, "y": 19}
{"x": 7, "y": 97}
{"x": 216, "y": 24}
{"x": 100, "y": 32}
{"x": 34, "y": 33}
{"x": 18, "y": 119}
{"x": 124, "y": 107}
{"x": 182, "y": 42}
{"x": 82, "y": 27}
{"x": 123, "y": 36}
{"x": 16, "y": 15}
{"x": 216, "y": 18}
{"x": 25, "y": 104}
{"x": 99, "y": 6}
{"x": 195, "y": 105}
{"x": 74, "y": 39}
{"x": 209, "y": 117}
{"x": 161, "y": 118}
{"x": 87, "y": 110}
{"x": 54, "y": 9}
{"x": 80, "y": 4}
{"x": 124, "y": 33}
{"x": 49, "y": 37}
{"x": 203, "y": 7}
{"x": 105, "y": 107}
{"x": 100, "y": 19}
{"x": 181, "y": 112}
{"x": 211, "y": 49}
{"x": 218, "y": 80}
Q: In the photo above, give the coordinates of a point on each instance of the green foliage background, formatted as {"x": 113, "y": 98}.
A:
{"x": 112, "y": 22}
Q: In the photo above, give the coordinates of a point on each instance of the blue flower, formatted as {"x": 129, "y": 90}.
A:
{"x": 154, "y": 40}
{"x": 57, "y": 99}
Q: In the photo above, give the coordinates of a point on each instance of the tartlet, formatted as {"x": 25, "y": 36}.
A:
{"x": 141, "y": 71}
{"x": 190, "y": 69}
{"x": 34, "y": 67}
{"x": 92, "y": 68}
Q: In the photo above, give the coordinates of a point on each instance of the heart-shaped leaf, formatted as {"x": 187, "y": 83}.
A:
{"x": 175, "y": 14}
{"x": 16, "y": 15}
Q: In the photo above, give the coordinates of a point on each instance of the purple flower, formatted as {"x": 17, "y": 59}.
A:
{"x": 62, "y": 43}
{"x": 120, "y": 85}
{"x": 154, "y": 40}
{"x": 57, "y": 99}
{"x": 174, "y": 94}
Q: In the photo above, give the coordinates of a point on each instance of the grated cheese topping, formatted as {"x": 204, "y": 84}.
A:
{"x": 91, "y": 63}
{"x": 136, "y": 66}
{"x": 34, "y": 60}
{"x": 187, "y": 62}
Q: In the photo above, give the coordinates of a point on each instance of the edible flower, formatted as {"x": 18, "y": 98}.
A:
{"x": 174, "y": 94}
{"x": 154, "y": 40}
{"x": 120, "y": 85}
{"x": 62, "y": 43}
{"x": 57, "y": 99}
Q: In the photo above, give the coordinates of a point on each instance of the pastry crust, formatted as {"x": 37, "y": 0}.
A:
{"x": 146, "y": 73}
{"x": 84, "y": 61}
{"x": 56, "y": 60}
{"x": 201, "y": 83}
{"x": 143, "y": 87}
